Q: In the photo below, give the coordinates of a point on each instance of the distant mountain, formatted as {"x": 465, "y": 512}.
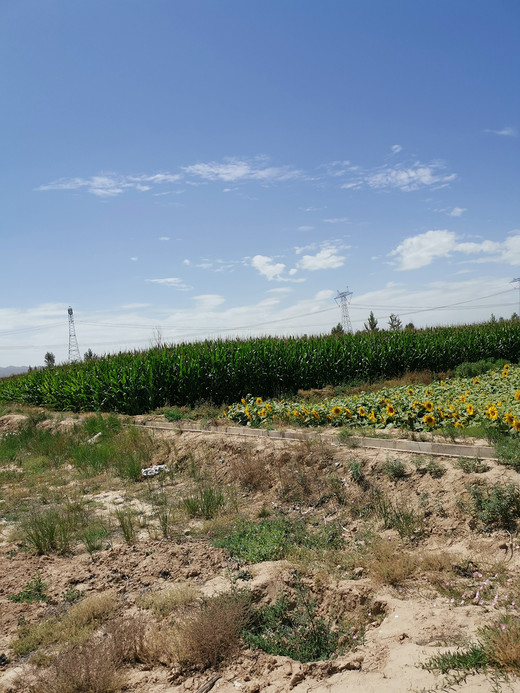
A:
{"x": 12, "y": 370}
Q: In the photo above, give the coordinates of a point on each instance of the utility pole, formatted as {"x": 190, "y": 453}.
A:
{"x": 343, "y": 299}
{"x": 73, "y": 342}
{"x": 517, "y": 280}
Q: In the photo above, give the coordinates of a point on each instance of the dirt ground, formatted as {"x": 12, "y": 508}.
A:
{"x": 414, "y": 619}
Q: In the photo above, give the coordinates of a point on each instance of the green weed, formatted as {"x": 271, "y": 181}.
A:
{"x": 206, "y": 503}
{"x": 34, "y": 591}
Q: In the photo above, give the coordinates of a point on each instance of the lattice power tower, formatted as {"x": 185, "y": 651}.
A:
{"x": 73, "y": 342}
{"x": 343, "y": 299}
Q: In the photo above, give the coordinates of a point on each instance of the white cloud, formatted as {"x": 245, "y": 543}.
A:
{"x": 337, "y": 220}
{"x": 505, "y": 132}
{"x": 396, "y": 148}
{"x": 235, "y": 170}
{"x": 305, "y": 228}
{"x": 164, "y": 238}
{"x": 173, "y": 282}
{"x": 134, "y": 259}
{"x": 268, "y": 268}
{"x": 327, "y": 258}
{"x": 135, "y": 306}
{"x": 421, "y": 250}
{"x": 324, "y": 295}
{"x": 111, "y": 184}
{"x": 457, "y": 211}
{"x": 209, "y": 301}
{"x": 404, "y": 178}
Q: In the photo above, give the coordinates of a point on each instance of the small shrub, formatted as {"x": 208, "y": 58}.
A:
{"x": 394, "y": 469}
{"x": 126, "y": 519}
{"x": 91, "y": 667}
{"x": 175, "y": 414}
{"x": 252, "y": 474}
{"x": 357, "y": 473}
{"x": 291, "y": 628}
{"x": 435, "y": 469}
{"x": 34, "y": 591}
{"x": 93, "y": 537}
{"x": 497, "y": 506}
{"x": 407, "y": 522}
{"x": 212, "y": 634}
{"x": 54, "y": 529}
{"x": 206, "y": 503}
{"x": 472, "y": 465}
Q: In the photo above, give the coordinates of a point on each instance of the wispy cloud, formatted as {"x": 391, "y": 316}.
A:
{"x": 421, "y": 250}
{"x": 505, "y": 132}
{"x": 457, "y": 211}
{"x": 396, "y": 148}
{"x": 111, "y": 184}
{"x": 209, "y": 301}
{"x": 402, "y": 177}
{"x": 337, "y": 220}
{"x": 240, "y": 170}
{"x": 173, "y": 282}
{"x": 164, "y": 238}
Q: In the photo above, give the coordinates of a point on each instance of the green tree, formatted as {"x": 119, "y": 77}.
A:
{"x": 89, "y": 355}
{"x": 394, "y": 322}
{"x": 409, "y": 326}
{"x": 371, "y": 324}
{"x": 337, "y": 330}
{"x": 50, "y": 359}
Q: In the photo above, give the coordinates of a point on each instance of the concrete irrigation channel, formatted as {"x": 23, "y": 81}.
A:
{"x": 454, "y": 449}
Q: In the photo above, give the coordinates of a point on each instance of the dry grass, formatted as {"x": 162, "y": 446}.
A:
{"x": 389, "y": 563}
{"x": 502, "y": 643}
{"x": 252, "y": 474}
{"x": 164, "y": 602}
{"x": 74, "y": 627}
{"x": 212, "y": 634}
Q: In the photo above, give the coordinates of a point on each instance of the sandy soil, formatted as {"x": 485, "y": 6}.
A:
{"x": 415, "y": 621}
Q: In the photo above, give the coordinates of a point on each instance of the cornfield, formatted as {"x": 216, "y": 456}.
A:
{"x": 222, "y": 371}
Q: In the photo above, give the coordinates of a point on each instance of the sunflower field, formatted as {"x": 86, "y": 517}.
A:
{"x": 493, "y": 397}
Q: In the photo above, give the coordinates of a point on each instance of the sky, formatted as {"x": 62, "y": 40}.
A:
{"x": 176, "y": 170}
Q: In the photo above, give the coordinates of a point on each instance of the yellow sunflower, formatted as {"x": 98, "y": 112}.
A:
{"x": 390, "y": 410}
{"x": 516, "y": 424}
{"x": 509, "y": 419}
{"x": 315, "y": 414}
{"x": 470, "y": 409}
{"x": 517, "y": 395}
{"x": 262, "y": 413}
{"x": 372, "y": 417}
{"x": 361, "y": 411}
{"x": 336, "y": 411}
{"x": 429, "y": 420}
{"x": 492, "y": 412}
{"x": 428, "y": 406}
{"x": 348, "y": 413}
{"x": 259, "y": 401}
{"x": 463, "y": 398}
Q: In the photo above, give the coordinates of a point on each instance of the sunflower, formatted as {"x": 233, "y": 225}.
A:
{"x": 262, "y": 413}
{"x": 470, "y": 409}
{"x": 315, "y": 414}
{"x": 372, "y": 417}
{"x": 476, "y": 381}
{"x": 362, "y": 411}
{"x": 428, "y": 406}
{"x": 429, "y": 420}
{"x": 268, "y": 407}
{"x": 516, "y": 424}
{"x": 509, "y": 419}
{"x": 259, "y": 401}
{"x": 336, "y": 411}
{"x": 246, "y": 412}
{"x": 389, "y": 410}
{"x": 348, "y": 413}
{"x": 243, "y": 401}
{"x": 410, "y": 391}
{"x": 492, "y": 412}
{"x": 517, "y": 395}
{"x": 458, "y": 424}
{"x": 463, "y": 398}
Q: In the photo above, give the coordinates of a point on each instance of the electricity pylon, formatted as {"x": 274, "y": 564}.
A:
{"x": 343, "y": 299}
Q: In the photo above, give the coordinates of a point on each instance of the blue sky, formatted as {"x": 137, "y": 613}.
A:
{"x": 203, "y": 168}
